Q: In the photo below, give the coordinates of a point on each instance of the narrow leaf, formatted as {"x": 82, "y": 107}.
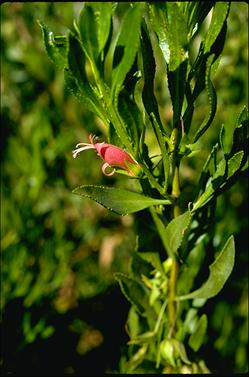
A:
{"x": 88, "y": 33}
{"x": 220, "y": 271}
{"x": 118, "y": 200}
{"x": 126, "y": 47}
{"x": 196, "y": 339}
{"x": 175, "y": 231}
{"x": 212, "y": 98}
{"x": 225, "y": 170}
{"x": 102, "y": 15}
{"x": 56, "y": 46}
{"x": 171, "y": 28}
{"x": 136, "y": 293}
{"x": 219, "y": 16}
{"x": 149, "y": 69}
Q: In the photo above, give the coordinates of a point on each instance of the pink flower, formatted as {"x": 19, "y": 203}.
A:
{"x": 112, "y": 155}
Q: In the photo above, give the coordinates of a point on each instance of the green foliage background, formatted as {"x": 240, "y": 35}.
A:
{"x": 58, "y": 252}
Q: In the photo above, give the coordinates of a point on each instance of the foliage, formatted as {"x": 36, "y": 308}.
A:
{"x": 147, "y": 71}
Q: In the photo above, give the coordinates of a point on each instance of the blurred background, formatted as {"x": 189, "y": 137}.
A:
{"x": 62, "y": 311}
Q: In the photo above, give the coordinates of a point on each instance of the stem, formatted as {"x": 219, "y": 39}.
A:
{"x": 174, "y": 270}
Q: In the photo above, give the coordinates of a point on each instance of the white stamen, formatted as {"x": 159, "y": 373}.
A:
{"x": 78, "y": 150}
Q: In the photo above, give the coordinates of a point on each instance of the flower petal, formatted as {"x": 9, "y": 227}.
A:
{"x": 104, "y": 167}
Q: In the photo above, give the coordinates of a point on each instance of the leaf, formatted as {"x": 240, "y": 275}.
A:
{"x": 56, "y": 46}
{"x": 118, "y": 200}
{"x": 133, "y": 322}
{"x": 102, "y": 15}
{"x": 220, "y": 12}
{"x": 170, "y": 26}
{"x": 196, "y": 339}
{"x": 154, "y": 259}
{"x": 176, "y": 83}
{"x": 136, "y": 293}
{"x": 126, "y": 47}
{"x": 220, "y": 271}
{"x": 197, "y": 12}
{"x": 240, "y": 135}
{"x": 85, "y": 95}
{"x": 212, "y": 98}
{"x": 175, "y": 231}
{"x": 149, "y": 69}
{"x": 225, "y": 170}
{"x": 140, "y": 266}
{"x": 87, "y": 29}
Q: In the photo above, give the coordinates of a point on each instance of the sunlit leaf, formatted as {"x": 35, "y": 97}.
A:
{"x": 175, "y": 231}
{"x": 118, "y": 200}
{"x": 126, "y": 47}
{"x": 220, "y": 271}
{"x": 219, "y": 16}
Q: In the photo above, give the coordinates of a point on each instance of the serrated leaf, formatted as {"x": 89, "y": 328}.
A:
{"x": 56, "y": 46}
{"x": 85, "y": 95}
{"x": 196, "y": 339}
{"x": 220, "y": 271}
{"x": 136, "y": 293}
{"x": 212, "y": 98}
{"x": 118, "y": 200}
{"x": 126, "y": 47}
{"x": 175, "y": 231}
{"x": 225, "y": 170}
{"x": 219, "y": 16}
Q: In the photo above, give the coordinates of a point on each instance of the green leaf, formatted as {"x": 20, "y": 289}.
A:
{"x": 126, "y": 47}
{"x": 220, "y": 12}
{"x": 118, "y": 200}
{"x": 133, "y": 322}
{"x": 140, "y": 266}
{"x": 175, "y": 231}
{"x": 154, "y": 259}
{"x": 85, "y": 95}
{"x": 197, "y": 12}
{"x": 176, "y": 83}
{"x": 240, "y": 135}
{"x": 170, "y": 26}
{"x": 180, "y": 350}
{"x": 167, "y": 351}
{"x": 102, "y": 16}
{"x": 149, "y": 69}
{"x": 56, "y": 46}
{"x": 87, "y": 29}
{"x": 212, "y": 98}
{"x": 196, "y": 339}
{"x": 135, "y": 292}
{"x": 225, "y": 170}
{"x": 131, "y": 118}
{"x": 220, "y": 271}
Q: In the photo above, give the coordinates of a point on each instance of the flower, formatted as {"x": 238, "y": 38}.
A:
{"x": 112, "y": 155}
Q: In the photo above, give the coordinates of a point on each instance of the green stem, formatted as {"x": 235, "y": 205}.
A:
{"x": 174, "y": 270}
